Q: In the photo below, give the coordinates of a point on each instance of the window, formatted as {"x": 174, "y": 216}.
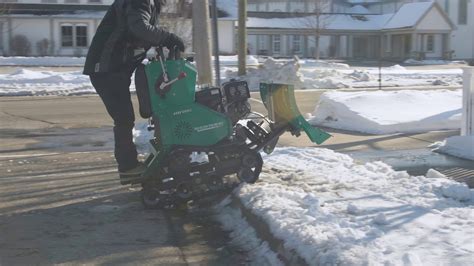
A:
{"x": 462, "y": 12}
{"x": 296, "y": 43}
{"x": 81, "y": 36}
{"x": 74, "y": 35}
{"x": 66, "y": 36}
{"x": 276, "y": 44}
{"x": 430, "y": 43}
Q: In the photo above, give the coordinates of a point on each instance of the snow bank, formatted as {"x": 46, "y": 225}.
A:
{"x": 431, "y": 62}
{"x": 332, "y": 211}
{"x": 459, "y": 146}
{"x": 386, "y": 112}
{"x": 42, "y": 61}
{"x": 323, "y": 64}
{"x": 303, "y": 74}
{"x": 232, "y": 60}
{"x": 288, "y": 72}
{"x": 24, "y": 82}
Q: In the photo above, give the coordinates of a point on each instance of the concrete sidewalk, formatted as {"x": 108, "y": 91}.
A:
{"x": 60, "y": 201}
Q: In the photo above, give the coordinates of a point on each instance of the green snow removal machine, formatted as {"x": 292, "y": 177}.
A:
{"x": 201, "y": 136}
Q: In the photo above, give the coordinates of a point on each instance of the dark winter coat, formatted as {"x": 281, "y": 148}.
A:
{"x": 129, "y": 28}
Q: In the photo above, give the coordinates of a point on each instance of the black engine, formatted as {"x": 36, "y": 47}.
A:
{"x": 231, "y": 100}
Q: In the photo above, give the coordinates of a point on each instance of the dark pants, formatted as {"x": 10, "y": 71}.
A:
{"x": 114, "y": 90}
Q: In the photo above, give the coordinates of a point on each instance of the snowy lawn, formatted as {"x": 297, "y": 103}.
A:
{"x": 333, "y": 211}
{"x": 386, "y": 112}
{"x": 312, "y": 74}
{"x": 42, "y": 61}
{"x": 24, "y": 82}
{"x": 459, "y": 146}
{"x": 303, "y": 74}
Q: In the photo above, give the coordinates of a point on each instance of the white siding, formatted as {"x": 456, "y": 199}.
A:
{"x": 226, "y": 37}
{"x": 34, "y": 29}
{"x": 432, "y": 21}
{"x": 462, "y": 39}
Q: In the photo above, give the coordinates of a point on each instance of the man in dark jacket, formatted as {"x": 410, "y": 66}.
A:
{"x": 128, "y": 30}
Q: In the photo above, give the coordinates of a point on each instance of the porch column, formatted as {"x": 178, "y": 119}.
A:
{"x": 446, "y": 46}
{"x": 414, "y": 42}
{"x": 10, "y": 36}
{"x": 388, "y": 45}
{"x": 337, "y": 46}
{"x": 350, "y": 44}
{"x": 305, "y": 43}
{"x": 52, "y": 42}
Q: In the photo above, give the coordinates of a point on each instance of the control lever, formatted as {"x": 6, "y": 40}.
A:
{"x": 162, "y": 87}
{"x": 181, "y": 76}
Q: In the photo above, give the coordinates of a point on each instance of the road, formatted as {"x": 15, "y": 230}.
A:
{"x": 60, "y": 201}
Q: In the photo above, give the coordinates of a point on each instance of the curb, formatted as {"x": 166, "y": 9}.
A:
{"x": 287, "y": 256}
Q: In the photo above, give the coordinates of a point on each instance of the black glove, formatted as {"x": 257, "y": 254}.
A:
{"x": 173, "y": 41}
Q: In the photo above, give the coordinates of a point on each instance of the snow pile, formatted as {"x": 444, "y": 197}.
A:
{"x": 232, "y": 60}
{"x": 288, "y": 72}
{"x": 386, "y": 112}
{"x": 303, "y": 74}
{"x": 323, "y": 64}
{"x": 459, "y": 146}
{"x": 332, "y": 211}
{"x": 271, "y": 71}
{"x": 42, "y": 61}
{"x": 24, "y": 82}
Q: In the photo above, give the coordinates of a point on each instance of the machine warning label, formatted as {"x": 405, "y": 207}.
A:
{"x": 209, "y": 127}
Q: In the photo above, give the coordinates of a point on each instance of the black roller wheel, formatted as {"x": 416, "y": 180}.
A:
{"x": 216, "y": 183}
{"x": 151, "y": 198}
{"x": 184, "y": 191}
{"x": 251, "y": 167}
{"x": 247, "y": 175}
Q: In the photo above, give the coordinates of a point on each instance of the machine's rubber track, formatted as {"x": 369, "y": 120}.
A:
{"x": 181, "y": 181}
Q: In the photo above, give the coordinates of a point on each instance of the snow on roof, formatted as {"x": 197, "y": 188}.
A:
{"x": 230, "y": 7}
{"x": 363, "y": 1}
{"x": 409, "y": 15}
{"x": 332, "y": 22}
{"x": 358, "y": 9}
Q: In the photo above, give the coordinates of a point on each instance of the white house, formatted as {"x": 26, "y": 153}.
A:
{"x": 67, "y": 27}
{"x": 359, "y": 28}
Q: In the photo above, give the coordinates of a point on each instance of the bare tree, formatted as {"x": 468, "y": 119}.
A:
{"x": 318, "y": 20}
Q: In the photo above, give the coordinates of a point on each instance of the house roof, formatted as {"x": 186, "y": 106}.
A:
{"x": 408, "y": 16}
{"x": 358, "y": 9}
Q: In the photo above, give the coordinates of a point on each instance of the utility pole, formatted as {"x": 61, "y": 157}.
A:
{"x": 242, "y": 37}
{"x": 215, "y": 43}
{"x": 202, "y": 41}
